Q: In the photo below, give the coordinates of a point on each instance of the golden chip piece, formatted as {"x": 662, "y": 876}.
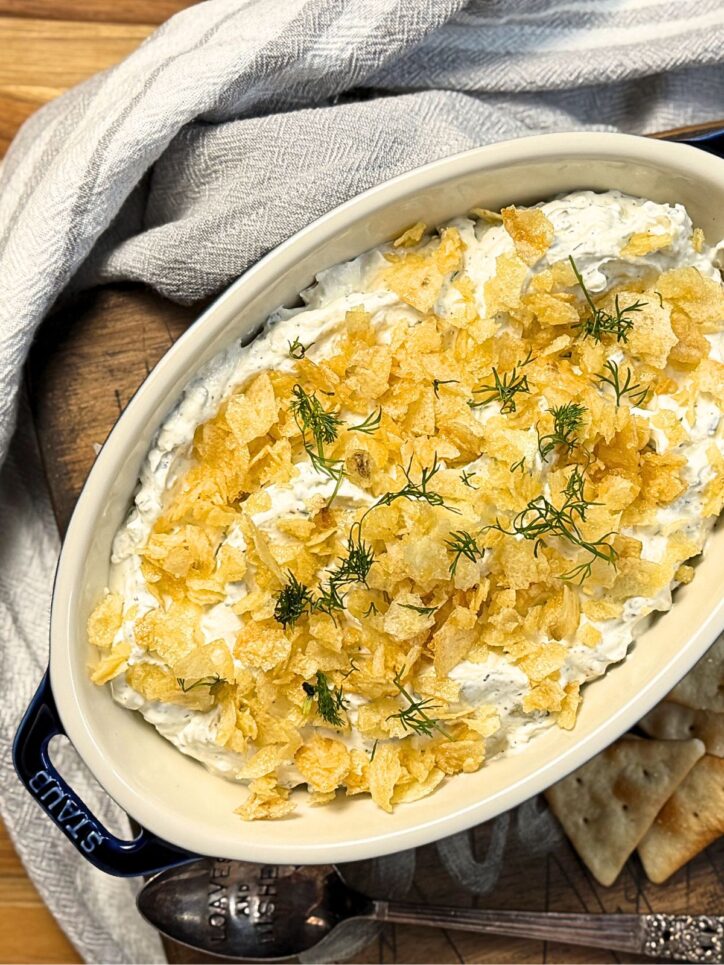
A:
{"x": 105, "y": 621}
{"x": 531, "y": 231}
{"x": 266, "y": 800}
{"x": 323, "y": 763}
{"x": 412, "y": 236}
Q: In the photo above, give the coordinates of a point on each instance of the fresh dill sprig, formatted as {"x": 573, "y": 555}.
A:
{"x": 520, "y": 464}
{"x": 505, "y": 388}
{"x": 352, "y": 568}
{"x": 297, "y": 350}
{"x": 330, "y": 700}
{"x": 466, "y": 477}
{"x": 462, "y": 543}
{"x": 425, "y": 611}
{"x": 623, "y": 387}
{"x": 371, "y": 609}
{"x": 414, "y": 717}
{"x": 436, "y": 383}
{"x": 371, "y": 423}
{"x": 329, "y": 600}
{"x": 311, "y": 417}
{"x": 334, "y": 468}
{"x": 416, "y": 490}
{"x": 541, "y": 519}
{"x": 293, "y": 601}
{"x": 313, "y": 420}
{"x": 356, "y": 565}
{"x": 353, "y": 668}
{"x": 567, "y": 422}
{"x": 600, "y": 322}
{"x": 202, "y": 682}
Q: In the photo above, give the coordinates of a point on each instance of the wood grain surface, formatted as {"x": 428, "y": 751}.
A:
{"x": 88, "y": 360}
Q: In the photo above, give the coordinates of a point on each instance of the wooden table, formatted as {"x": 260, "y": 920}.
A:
{"x": 86, "y": 364}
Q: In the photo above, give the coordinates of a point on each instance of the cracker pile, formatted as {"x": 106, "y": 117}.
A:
{"x": 501, "y": 455}
{"x": 663, "y": 797}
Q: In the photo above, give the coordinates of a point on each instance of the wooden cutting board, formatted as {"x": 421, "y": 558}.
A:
{"x": 88, "y": 360}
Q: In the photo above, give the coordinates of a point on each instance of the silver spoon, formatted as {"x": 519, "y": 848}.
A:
{"x": 271, "y": 912}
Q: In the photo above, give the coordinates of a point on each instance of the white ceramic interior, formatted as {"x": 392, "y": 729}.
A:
{"x": 176, "y": 797}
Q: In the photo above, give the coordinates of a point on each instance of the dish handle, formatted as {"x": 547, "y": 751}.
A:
{"x": 143, "y": 855}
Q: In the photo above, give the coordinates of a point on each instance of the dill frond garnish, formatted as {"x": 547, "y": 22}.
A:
{"x": 352, "y": 568}
{"x": 371, "y": 609}
{"x": 466, "y": 477}
{"x": 600, "y": 322}
{"x": 520, "y": 464}
{"x": 541, "y": 519}
{"x": 297, "y": 351}
{"x": 313, "y": 420}
{"x": 505, "y": 388}
{"x": 414, "y": 717}
{"x": 567, "y": 422}
{"x": 293, "y": 601}
{"x": 356, "y": 565}
{"x": 425, "y": 611}
{"x": 330, "y": 700}
{"x": 416, "y": 490}
{"x": 462, "y": 543}
{"x": 311, "y": 417}
{"x": 353, "y": 668}
{"x": 436, "y": 383}
{"x": 202, "y": 682}
{"x": 623, "y": 387}
{"x": 329, "y": 600}
{"x": 371, "y": 423}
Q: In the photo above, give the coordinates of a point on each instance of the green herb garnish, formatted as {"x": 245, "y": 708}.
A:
{"x": 425, "y": 611}
{"x": 293, "y": 601}
{"x": 202, "y": 682}
{"x": 540, "y": 519}
{"x": 567, "y": 422}
{"x": 520, "y": 464}
{"x": 370, "y": 425}
{"x": 626, "y": 387}
{"x": 313, "y": 420}
{"x": 464, "y": 544}
{"x": 352, "y": 568}
{"x": 297, "y": 350}
{"x": 505, "y": 388}
{"x": 330, "y": 700}
{"x": 436, "y": 383}
{"x": 414, "y": 717}
{"x": 416, "y": 490}
{"x": 466, "y": 477}
{"x": 601, "y": 322}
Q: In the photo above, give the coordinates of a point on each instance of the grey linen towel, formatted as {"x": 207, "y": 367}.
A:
{"x": 231, "y": 127}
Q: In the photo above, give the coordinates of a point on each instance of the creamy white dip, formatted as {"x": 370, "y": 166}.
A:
{"x": 589, "y": 226}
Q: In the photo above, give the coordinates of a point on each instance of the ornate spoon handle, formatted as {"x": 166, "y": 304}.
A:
{"x": 685, "y": 938}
